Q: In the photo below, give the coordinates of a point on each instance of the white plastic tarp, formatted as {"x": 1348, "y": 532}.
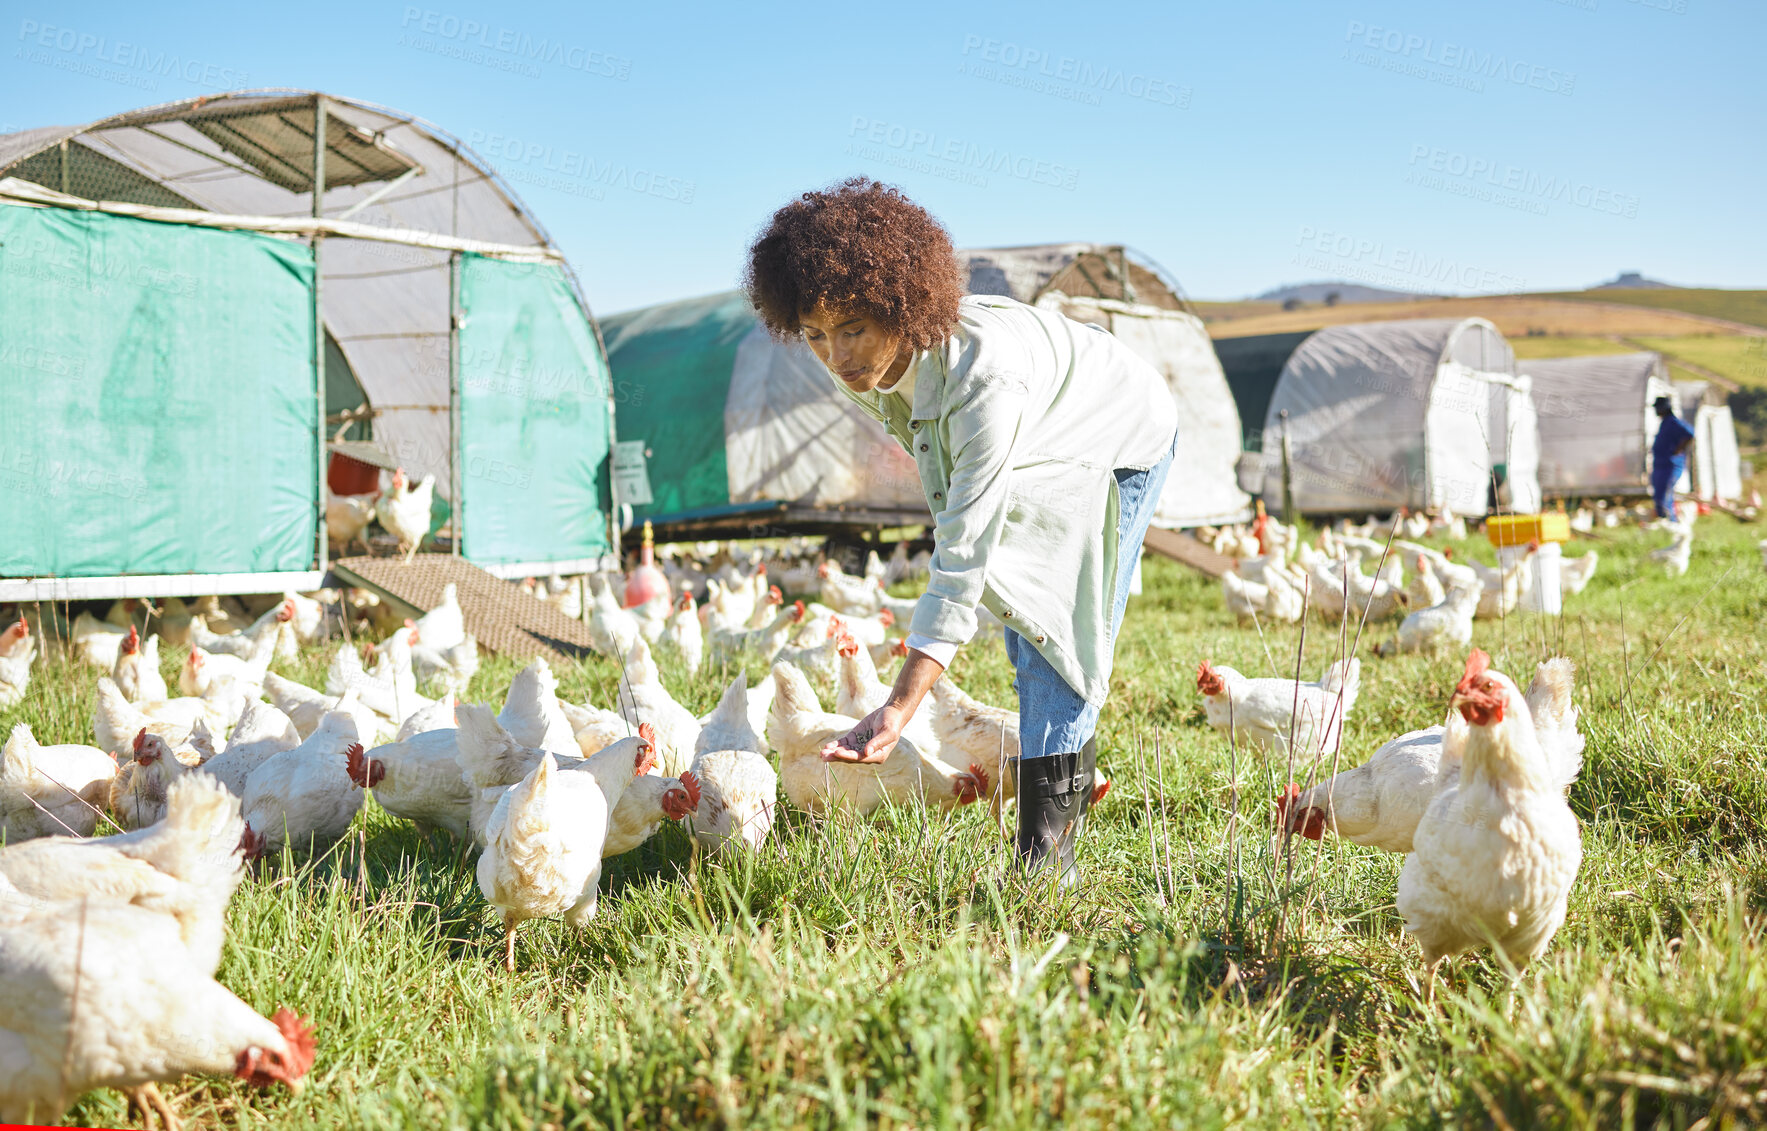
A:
{"x": 1596, "y": 421}
{"x": 1388, "y": 414}
{"x": 1202, "y": 487}
{"x": 791, "y": 435}
{"x": 1716, "y": 463}
{"x": 1520, "y": 430}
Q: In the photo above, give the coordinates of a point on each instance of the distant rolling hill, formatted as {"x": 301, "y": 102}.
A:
{"x": 1346, "y": 292}
{"x": 1631, "y": 279}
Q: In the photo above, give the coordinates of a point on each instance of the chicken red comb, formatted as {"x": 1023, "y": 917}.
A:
{"x": 797, "y": 610}
{"x": 1208, "y": 680}
{"x": 21, "y": 627}
{"x": 686, "y": 602}
{"x": 900, "y": 647}
{"x": 365, "y": 772}
{"x": 286, "y": 612}
{"x": 886, "y": 618}
{"x": 847, "y": 646}
{"x": 691, "y": 784}
{"x": 251, "y": 845}
{"x": 140, "y": 737}
{"x": 1478, "y": 662}
{"x": 132, "y": 642}
{"x": 822, "y": 570}
{"x": 263, "y": 1067}
{"x": 1099, "y": 790}
{"x": 774, "y": 596}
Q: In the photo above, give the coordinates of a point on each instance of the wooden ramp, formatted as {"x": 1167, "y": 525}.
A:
{"x": 503, "y": 617}
{"x": 1182, "y": 546}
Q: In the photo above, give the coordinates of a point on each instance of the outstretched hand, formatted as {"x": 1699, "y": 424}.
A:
{"x": 870, "y": 741}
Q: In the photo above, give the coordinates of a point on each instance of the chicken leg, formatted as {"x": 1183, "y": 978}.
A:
{"x": 509, "y": 947}
{"x": 149, "y": 1102}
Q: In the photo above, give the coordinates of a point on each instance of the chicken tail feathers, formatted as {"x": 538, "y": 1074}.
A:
{"x": 1555, "y": 718}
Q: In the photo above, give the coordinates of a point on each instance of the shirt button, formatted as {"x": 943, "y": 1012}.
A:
{"x": 1006, "y": 614}
{"x": 914, "y": 426}
{"x": 923, "y": 447}
{"x": 938, "y": 495}
{"x": 1039, "y": 640}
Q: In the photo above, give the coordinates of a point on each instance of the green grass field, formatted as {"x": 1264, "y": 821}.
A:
{"x": 1749, "y": 307}
{"x": 1741, "y": 358}
{"x": 870, "y": 973}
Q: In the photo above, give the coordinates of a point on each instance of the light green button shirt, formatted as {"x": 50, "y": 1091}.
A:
{"x": 1016, "y": 424}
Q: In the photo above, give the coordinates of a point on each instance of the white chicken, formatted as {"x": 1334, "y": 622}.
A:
{"x": 445, "y": 625}
{"x": 18, "y": 650}
{"x": 51, "y": 790}
{"x": 1380, "y": 802}
{"x": 685, "y": 634}
{"x": 137, "y": 673}
{"x": 532, "y": 713}
{"x": 138, "y": 792}
{"x": 644, "y": 699}
{"x": 734, "y": 645}
{"x": 1504, "y": 588}
{"x": 404, "y": 511}
{"x": 1425, "y": 589}
{"x": 187, "y": 865}
{"x": 544, "y": 838}
{"x": 799, "y": 728}
{"x": 346, "y": 517}
{"x": 116, "y": 721}
{"x": 96, "y": 642}
{"x": 201, "y": 667}
{"x": 849, "y": 596}
{"x": 277, "y": 622}
{"x": 612, "y": 629}
{"x": 418, "y": 779}
{"x": 1574, "y": 573}
{"x": 1450, "y": 622}
{"x": 393, "y": 696}
{"x": 858, "y": 691}
{"x": 304, "y": 796}
{"x": 1494, "y": 856}
{"x": 1266, "y": 712}
{"x": 738, "y": 786}
{"x": 75, "y": 1018}
{"x": 261, "y": 733}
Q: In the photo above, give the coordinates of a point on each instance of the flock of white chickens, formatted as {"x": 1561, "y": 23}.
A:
{"x": 245, "y": 763}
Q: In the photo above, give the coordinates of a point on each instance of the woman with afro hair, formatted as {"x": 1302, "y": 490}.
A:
{"x": 1042, "y": 445}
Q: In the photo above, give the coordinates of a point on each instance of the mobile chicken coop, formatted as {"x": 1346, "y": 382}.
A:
{"x": 196, "y": 297}
{"x": 1419, "y": 413}
{"x": 1597, "y": 421}
{"x": 737, "y": 433}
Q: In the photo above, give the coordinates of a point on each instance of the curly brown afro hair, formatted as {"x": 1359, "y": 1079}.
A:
{"x": 858, "y": 247}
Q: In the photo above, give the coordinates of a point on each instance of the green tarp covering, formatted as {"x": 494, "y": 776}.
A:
{"x": 534, "y": 417}
{"x": 157, "y": 398}
{"x": 671, "y": 367}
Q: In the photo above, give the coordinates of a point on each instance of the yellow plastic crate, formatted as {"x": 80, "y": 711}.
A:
{"x": 1520, "y": 529}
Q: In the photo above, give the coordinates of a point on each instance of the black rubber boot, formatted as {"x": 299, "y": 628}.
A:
{"x": 1054, "y": 793}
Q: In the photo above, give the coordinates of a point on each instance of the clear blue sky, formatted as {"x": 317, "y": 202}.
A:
{"x": 1457, "y": 147}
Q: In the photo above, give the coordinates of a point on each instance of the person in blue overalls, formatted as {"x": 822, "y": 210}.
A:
{"x": 1668, "y": 458}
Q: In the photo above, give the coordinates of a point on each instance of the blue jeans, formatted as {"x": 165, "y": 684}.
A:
{"x": 1053, "y": 718}
{"x": 1664, "y": 474}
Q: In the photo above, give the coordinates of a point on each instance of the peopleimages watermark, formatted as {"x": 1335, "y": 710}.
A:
{"x": 117, "y": 60}
{"x": 1362, "y": 260}
{"x": 1510, "y": 186}
{"x": 502, "y": 48}
{"x": 1446, "y": 62}
{"x": 955, "y": 158}
{"x": 1063, "y": 76}
{"x": 572, "y": 172}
